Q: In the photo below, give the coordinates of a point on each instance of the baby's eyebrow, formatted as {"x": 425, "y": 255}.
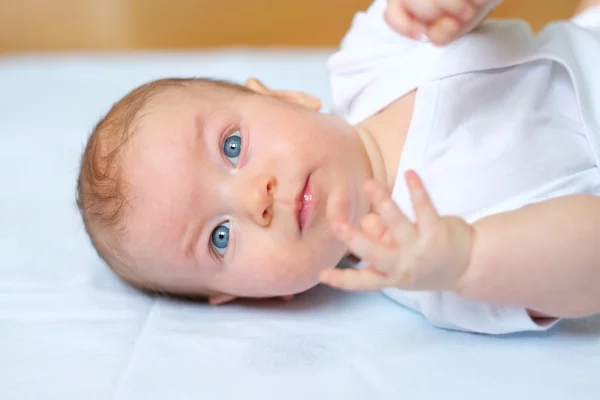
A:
{"x": 190, "y": 238}
{"x": 197, "y": 130}
{"x": 193, "y": 230}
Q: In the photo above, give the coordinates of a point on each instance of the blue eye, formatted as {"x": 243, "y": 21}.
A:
{"x": 232, "y": 147}
{"x": 219, "y": 239}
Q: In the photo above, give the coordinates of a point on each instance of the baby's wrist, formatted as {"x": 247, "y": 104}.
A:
{"x": 465, "y": 238}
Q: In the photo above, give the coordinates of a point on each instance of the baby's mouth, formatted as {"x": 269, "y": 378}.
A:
{"x": 304, "y": 206}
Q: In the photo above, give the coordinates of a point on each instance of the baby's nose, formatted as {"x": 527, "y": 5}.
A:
{"x": 258, "y": 199}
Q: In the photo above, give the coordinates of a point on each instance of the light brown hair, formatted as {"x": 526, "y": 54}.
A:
{"x": 101, "y": 189}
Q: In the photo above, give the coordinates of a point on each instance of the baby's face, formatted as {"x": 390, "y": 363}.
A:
{"x": 230, "y": 192}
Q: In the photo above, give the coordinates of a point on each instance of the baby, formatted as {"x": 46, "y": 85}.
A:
{"x": 208, "y": 188}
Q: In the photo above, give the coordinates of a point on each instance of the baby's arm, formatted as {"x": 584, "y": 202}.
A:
{"x": 442, "y": 21}
{"x": 544, "y": 256}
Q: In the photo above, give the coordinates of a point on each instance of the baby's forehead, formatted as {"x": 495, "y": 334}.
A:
{"x": 212, "y": 90}
{"x": 179, "y": 112}
{"x": 202, "y": 99}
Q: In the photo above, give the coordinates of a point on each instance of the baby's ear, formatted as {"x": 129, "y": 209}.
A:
{"x": 300, "y": 98}
{"x": 220, "y": 299}
{"x": 287, "y": 298}
{"x": 257, "y": 86}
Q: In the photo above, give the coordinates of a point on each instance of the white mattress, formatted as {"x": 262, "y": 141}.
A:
{"x": 70, "y": 330}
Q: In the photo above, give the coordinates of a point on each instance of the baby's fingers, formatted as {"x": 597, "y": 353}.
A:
{"x": 400, "y": 20}
{"x": 358, "y": 243}
{"x": 423, "y": 10}
{"x": 389, "y": 211}
{"x": 377, "y": 231}
{"x": 425, "y": 213}
{"x": 443, "y": 31}
{"x": 461, "y": 9}
{"x": 367, "y": 279}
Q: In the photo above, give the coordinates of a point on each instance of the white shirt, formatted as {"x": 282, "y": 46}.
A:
{"x": 503, "y": 118}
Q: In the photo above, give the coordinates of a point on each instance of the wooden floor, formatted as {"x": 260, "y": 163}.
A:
{"x": 47, "y": 25}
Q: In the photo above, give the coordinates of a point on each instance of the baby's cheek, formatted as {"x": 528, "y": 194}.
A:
{"x": 273, "y": 267}
{"x": 280, "y": 275}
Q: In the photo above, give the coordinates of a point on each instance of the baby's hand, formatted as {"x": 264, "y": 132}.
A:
{"x": 441, "y": 21}
{"x": 431, "y": 254}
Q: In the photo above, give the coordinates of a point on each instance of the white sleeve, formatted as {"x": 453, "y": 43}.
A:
{"x": 450, "y": 311}
{"x": 373, "y": 66}
{"x": 589, "y": 19}
{"x": 376, "y": 65}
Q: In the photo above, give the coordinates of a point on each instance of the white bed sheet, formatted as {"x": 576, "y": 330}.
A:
{"x": 70, "y": 330}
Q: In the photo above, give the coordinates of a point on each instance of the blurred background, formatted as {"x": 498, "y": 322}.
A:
{"x": 109, "y": 25}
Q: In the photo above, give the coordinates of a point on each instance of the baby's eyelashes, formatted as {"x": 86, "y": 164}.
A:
{"x": 232, "y": 147}
{"x": 219, "y": 239}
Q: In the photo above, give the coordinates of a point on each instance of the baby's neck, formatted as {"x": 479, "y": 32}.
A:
{"x": 387, "y": 131}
